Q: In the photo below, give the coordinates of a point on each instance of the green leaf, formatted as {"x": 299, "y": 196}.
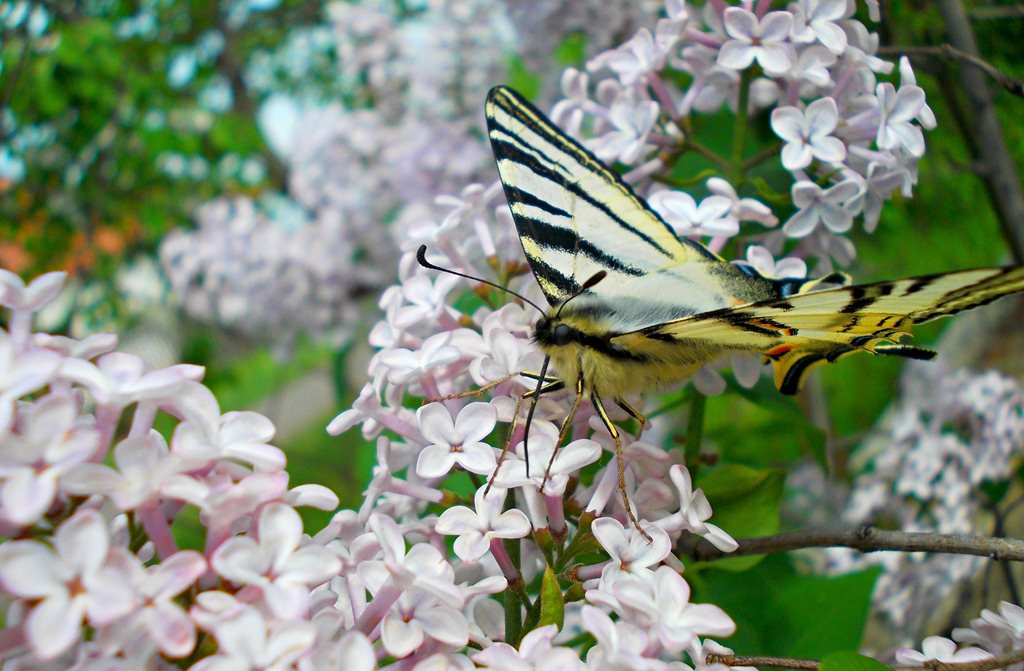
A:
{"x": 851, "y": 661}
{"x": 521, "y": 79}
{"x": 792, "y": 614}
{"x": 785, "y": 432}
{"x": 745, "y": 503}
{"x": 236, "y": 132}
{"x": 552, "y": 604}
{"x": 572, "y": 52}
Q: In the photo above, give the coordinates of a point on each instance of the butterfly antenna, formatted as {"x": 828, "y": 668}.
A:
{"x": 421, "y": 257}
{"x": 532, "y": 409}
{"x": 587, "y": 286}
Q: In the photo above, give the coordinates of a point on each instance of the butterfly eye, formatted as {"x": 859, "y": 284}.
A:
{"x": 562, "y": 334}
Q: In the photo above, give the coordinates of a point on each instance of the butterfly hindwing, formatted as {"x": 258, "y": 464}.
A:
{"x": 799, "y": 332}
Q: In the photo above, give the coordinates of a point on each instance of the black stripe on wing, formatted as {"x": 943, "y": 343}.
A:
{"x": 506, "y": 150}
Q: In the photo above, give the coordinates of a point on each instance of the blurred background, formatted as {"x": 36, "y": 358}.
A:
{"x": 227, "y": 181}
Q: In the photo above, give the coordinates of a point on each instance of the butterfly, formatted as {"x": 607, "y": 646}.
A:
{"x": 635, "y": 307}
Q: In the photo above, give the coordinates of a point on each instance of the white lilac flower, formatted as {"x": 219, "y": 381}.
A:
{"x": 159, "y": 617}
{"x": 551, "y": 465}
{"x": 680, "y": 211}
{"x": 476, "y": 530}
{"x": 118, "y": 379}
{"x": 764, "y": 40}
{"x": 907, "y": 78}
{"x": 276, "y": 565}
{"x": 765, "y": 263}
{"x": 49, "y": 439}
{"x": 68, "y": 582}
{"x": 629, "y": 551}
{"x": 639, "y": 57}
{"x": 21, "y": 373}
{"x": 660, "y": 602}
{"x": 247, "y": 640}
{"x": 897, "y": 110}
{"x": 620, "y": 645}
{"x": 418, "y": 616}
{"x": 694, "y": 509}
{"x": 816, "y": 205}
{"x": 536, "y": 653}
{"x": 142, "y": 468}
{"x": 939, "y": 649}
{"x": 743, "y": 209}
{"x": 882, "y": 182}
{"x": 819, "y": 20}
{"x": 808, "y": 134}
{"x": 631, "y": 121}
{"x": 456, "y": 442}
{"x": 998, "y": 633}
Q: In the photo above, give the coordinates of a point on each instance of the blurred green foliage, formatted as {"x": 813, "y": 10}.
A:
{"x": 119, "y": 117}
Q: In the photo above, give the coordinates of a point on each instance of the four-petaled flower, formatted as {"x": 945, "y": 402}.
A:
{"x": 275, "y": 564}
{"x": 815, "y": 204}
{"x": 681, "y": 212}
{"x": 808, "y": 134}
{"x": 765, "y": 40}
{"x": 476, "y": 529}
{"x": 458, "y": 441}
{"x": 70, "y": 581}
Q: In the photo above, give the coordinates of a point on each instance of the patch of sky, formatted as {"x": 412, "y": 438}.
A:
{"x": 216, "y": 96}
{"x": 278, "y": 120}
{"x": 12, "y": 167}
{"x": 142, "y": 25}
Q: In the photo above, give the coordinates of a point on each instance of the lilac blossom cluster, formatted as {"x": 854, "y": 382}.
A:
{"x": 412, "y": 80}
{"x": 952, "y": 433}
{"x": 90, "y": 493}
{"x": 848, "y": 140}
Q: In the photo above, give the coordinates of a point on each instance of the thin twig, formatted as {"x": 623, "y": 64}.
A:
{"x": 762, "y": 156}
{"x": 1011, "y": 84}
{"x": 997, "y": 12}
{"x": 867, "y": 539}
{"x": 764, "y": 661}
{"x": 813, "y": 665}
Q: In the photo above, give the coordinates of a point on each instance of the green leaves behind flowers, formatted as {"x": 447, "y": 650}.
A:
{"x": 782, "y": 612}
{"x": 745, "y": 503}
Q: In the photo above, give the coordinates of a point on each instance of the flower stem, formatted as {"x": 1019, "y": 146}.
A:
{"x": 739, "y": 136}
{"x": 513, "y": 623}
{"x": 695, "y": 431}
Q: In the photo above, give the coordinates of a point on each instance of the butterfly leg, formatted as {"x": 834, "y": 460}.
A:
{"x": 566, "y": 425}
{"x": 641, "y": 420}
{"x": 508, "y": 444}
{"x": 620, "y": 463}
{"x": 492, "y": 385}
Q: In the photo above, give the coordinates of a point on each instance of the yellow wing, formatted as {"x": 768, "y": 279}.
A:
{"x": 799, "y": 332}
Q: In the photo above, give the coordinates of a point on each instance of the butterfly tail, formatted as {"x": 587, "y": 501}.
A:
{"x": 793, "y": 362}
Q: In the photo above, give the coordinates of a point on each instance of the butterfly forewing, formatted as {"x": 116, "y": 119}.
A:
{"x": 574, "y": 216}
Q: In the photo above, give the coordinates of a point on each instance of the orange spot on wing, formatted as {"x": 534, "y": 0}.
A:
{"x": 778, "y": 351}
